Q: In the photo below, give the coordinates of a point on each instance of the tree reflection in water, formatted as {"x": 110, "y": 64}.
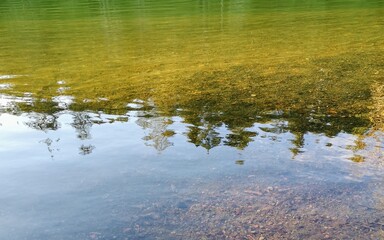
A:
{"x": 156, "y": 129}
{"x": 227, "y": 116}
{"x": 208, "y": 127}
{"x": 43, "y": 122}
{"x": 83, "y": 124}
{"x": 369, "y": 144}
{"x": 86, "y": 149}
{"x": 51, "y": 148}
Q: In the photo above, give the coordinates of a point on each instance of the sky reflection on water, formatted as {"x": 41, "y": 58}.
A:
{"x": 74, "y": 174}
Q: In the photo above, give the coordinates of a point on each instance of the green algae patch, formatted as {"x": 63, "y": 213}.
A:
{"x": 319, "y": 70}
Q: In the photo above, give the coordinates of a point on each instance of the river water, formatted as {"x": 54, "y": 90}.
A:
{"x": 226, "y": 119}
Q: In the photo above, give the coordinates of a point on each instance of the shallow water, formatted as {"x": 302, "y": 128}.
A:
{"x": 191, "y": 119}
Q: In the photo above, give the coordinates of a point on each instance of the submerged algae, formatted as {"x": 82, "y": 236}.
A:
{"x": 221, "y": 65}
{"x": 329, "y": 95}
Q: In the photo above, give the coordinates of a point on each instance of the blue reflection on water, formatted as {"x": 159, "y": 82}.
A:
{"x": 78, "y": 174}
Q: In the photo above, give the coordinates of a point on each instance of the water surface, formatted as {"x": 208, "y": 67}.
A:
{"x": 191, "y": 119}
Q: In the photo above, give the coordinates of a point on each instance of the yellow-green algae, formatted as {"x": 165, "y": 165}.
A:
{"x": 313, "y": 67}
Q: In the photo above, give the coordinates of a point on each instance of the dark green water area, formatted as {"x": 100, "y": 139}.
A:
{"x": 191, "y": 119}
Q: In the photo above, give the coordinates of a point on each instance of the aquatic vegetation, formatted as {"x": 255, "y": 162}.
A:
{"x": 377, "y": 111}
{"x": 370, "y": 143}
{"x": 330, "y": 96}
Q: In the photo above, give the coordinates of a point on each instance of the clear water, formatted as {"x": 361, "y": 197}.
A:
{"x": 191, "y": 119}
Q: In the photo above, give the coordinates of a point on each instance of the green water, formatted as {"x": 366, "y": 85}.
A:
{"x": 295, "y": 57}
{"x": 128, "y": 105}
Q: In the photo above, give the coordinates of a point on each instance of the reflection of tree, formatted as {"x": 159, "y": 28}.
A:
{"x": 373, "y": 152}
{"x": 86, "y": 149}
{"x": 298, "y": 143}
{"x": 240, "y": 96}
{"x": 204, "y": 136}
{"x": 329, "y": 96}
{"x": 49, "y": 143}
{"x": 82, "y": 123}
{"x": 158, "y": 136}
{"x": 239, "y": 138}
{"x": 43, "y": 122}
